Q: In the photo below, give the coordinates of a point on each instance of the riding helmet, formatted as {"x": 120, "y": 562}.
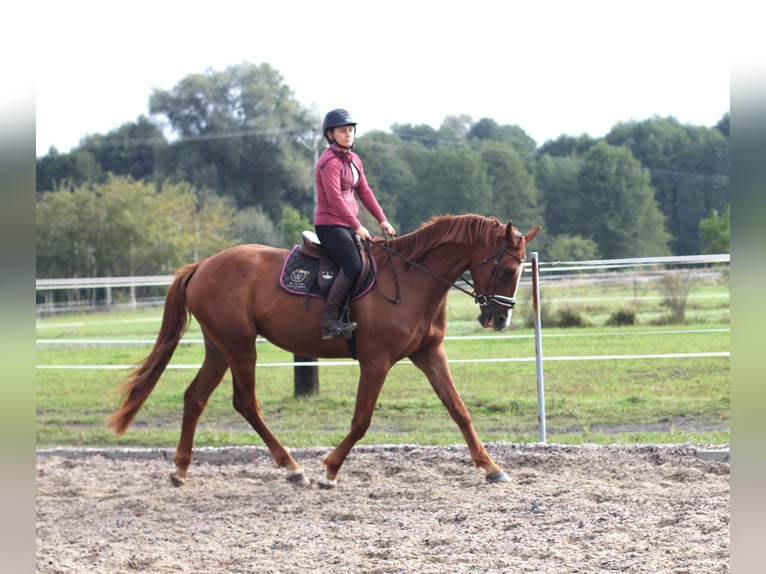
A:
{"x": 337, "y": 118}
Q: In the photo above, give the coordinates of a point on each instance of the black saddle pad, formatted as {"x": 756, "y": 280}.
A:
{"x": 300, "y": 276}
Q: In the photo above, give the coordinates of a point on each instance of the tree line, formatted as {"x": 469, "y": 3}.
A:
{"x": 226, "y": 157}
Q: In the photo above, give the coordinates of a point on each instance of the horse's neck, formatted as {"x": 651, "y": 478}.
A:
{"x": 448, "y": 261}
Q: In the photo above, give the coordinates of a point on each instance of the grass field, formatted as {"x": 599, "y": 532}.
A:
{"x": 600, "y": 400}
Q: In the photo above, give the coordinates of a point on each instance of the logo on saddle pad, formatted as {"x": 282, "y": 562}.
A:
{"x": 299, "y": 279}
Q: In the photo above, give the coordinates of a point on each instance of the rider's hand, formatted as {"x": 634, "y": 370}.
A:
{"x": 387, "y": 228}
{"x": 362, "y": 232}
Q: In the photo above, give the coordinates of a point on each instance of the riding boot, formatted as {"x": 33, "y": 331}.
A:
{"x": 332, "y": 323}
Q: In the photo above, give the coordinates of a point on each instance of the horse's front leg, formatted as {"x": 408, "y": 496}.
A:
{"x": 371, "y": 380}
{"x": 433, "y": 362}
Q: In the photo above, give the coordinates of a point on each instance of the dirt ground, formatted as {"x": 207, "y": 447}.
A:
{"x": 397, "y": 509}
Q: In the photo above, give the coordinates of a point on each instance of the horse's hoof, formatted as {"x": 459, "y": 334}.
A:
{"x": 327, "y": 483}
{"x": 498, "y": 476}
{"x": 297, "y": 477}
{"x": 177, "y": 480}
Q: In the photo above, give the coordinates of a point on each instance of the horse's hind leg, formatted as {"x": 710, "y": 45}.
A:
{"x": 433, "y": 362}
{"x": 246, "y": 403}
{"x": 195, "y": 399}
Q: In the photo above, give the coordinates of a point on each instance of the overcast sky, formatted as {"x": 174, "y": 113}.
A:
{"x": 553, "y": 68}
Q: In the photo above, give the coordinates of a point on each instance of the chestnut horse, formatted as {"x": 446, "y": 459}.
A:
{"x": 235, "y": 296}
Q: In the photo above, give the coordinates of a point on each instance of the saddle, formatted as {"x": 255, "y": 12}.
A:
{"x": 309, "y": 270}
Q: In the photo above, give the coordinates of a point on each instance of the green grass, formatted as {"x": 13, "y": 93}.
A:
{"x": 667, "y": 400}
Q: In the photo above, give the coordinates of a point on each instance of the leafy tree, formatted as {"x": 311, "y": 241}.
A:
{"x": 453, "y": 130}
{"x": 131, "y": 149}
{"x": 253, "y": 225}
{"x": 617, "y": 201}
{"x": 125, "y": 227}
{"x": 567, "y": 247}
{"x": 485, "y": 129}
{"x": 241, "y": 133}
{"x": 723, "y": 125}
{"x": 388, "y": 165}
{"x": 715, "y": 231}
{"x": 556, "y": 178}
{"x": 64, "y": 233}
{"x": 489, "y": 129}
{"x": 212, "y": 222}
{"x": 689, "y": 169}
{"x": 55, "y": 169}
{"x": 453, "y": 181}
{"x": 423, "y": 134}
{"x": 292, "y": 226}
{"x": 568, "y": 146}
{"x": 557, "y": 169}
{"x": 514, "y": 194}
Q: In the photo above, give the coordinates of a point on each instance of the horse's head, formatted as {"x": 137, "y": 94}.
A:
{"x": 496, "y": 276}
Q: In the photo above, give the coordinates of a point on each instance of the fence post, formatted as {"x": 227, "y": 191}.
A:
{"x": 306, "y": 377}
{"x": 538, "y": 347}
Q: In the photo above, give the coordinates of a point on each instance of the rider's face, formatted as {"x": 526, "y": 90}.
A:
{"x": 344, "y": 135}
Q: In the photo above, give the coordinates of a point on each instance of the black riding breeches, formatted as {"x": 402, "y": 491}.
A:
{"x": 339, "y": 243}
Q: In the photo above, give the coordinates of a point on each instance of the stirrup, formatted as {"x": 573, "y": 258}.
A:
{"x": 340, "y": 330}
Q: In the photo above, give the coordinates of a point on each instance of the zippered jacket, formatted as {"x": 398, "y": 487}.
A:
{"x": 336, "y": 204}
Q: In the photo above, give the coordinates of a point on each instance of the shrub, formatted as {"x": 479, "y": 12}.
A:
{"x": 622, "y": 317}
{"x": 568, "y": 317}
{"x": 675, "y": 287}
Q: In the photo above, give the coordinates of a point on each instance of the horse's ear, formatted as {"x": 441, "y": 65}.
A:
{"x": 532, "y": 233}
{"x": 509, "y": 231}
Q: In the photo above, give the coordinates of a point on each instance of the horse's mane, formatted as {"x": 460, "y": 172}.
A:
{"x": 446, "y": 229}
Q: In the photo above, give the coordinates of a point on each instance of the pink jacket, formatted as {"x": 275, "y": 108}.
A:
{"x": 336, "y": 204}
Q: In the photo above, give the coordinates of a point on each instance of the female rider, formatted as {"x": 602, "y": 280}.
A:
{"x": 339, "y": 174}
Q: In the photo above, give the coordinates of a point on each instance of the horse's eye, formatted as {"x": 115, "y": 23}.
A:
{"x": 509, "y": 273}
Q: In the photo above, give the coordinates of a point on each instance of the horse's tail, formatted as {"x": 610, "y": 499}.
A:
{"x": 137, "y": 386}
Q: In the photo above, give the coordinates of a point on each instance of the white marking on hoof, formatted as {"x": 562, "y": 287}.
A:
{"x": 498, "y": 476}
{"x": 327, "y": 483}
{"x": 177, "y": 480}
{"x": 297, "y": 477}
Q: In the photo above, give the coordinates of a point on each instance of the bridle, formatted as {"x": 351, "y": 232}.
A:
{"x": 489, "y": 303}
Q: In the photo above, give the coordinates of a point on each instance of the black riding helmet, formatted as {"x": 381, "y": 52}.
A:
{"x": 335, "y": 119}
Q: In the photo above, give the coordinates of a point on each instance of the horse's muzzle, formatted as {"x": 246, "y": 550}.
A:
{"x": 498, "y": 321}
{"x": 496, "y": 311}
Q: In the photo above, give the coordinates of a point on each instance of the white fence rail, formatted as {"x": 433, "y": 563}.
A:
{"x": 546, "y": 268}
